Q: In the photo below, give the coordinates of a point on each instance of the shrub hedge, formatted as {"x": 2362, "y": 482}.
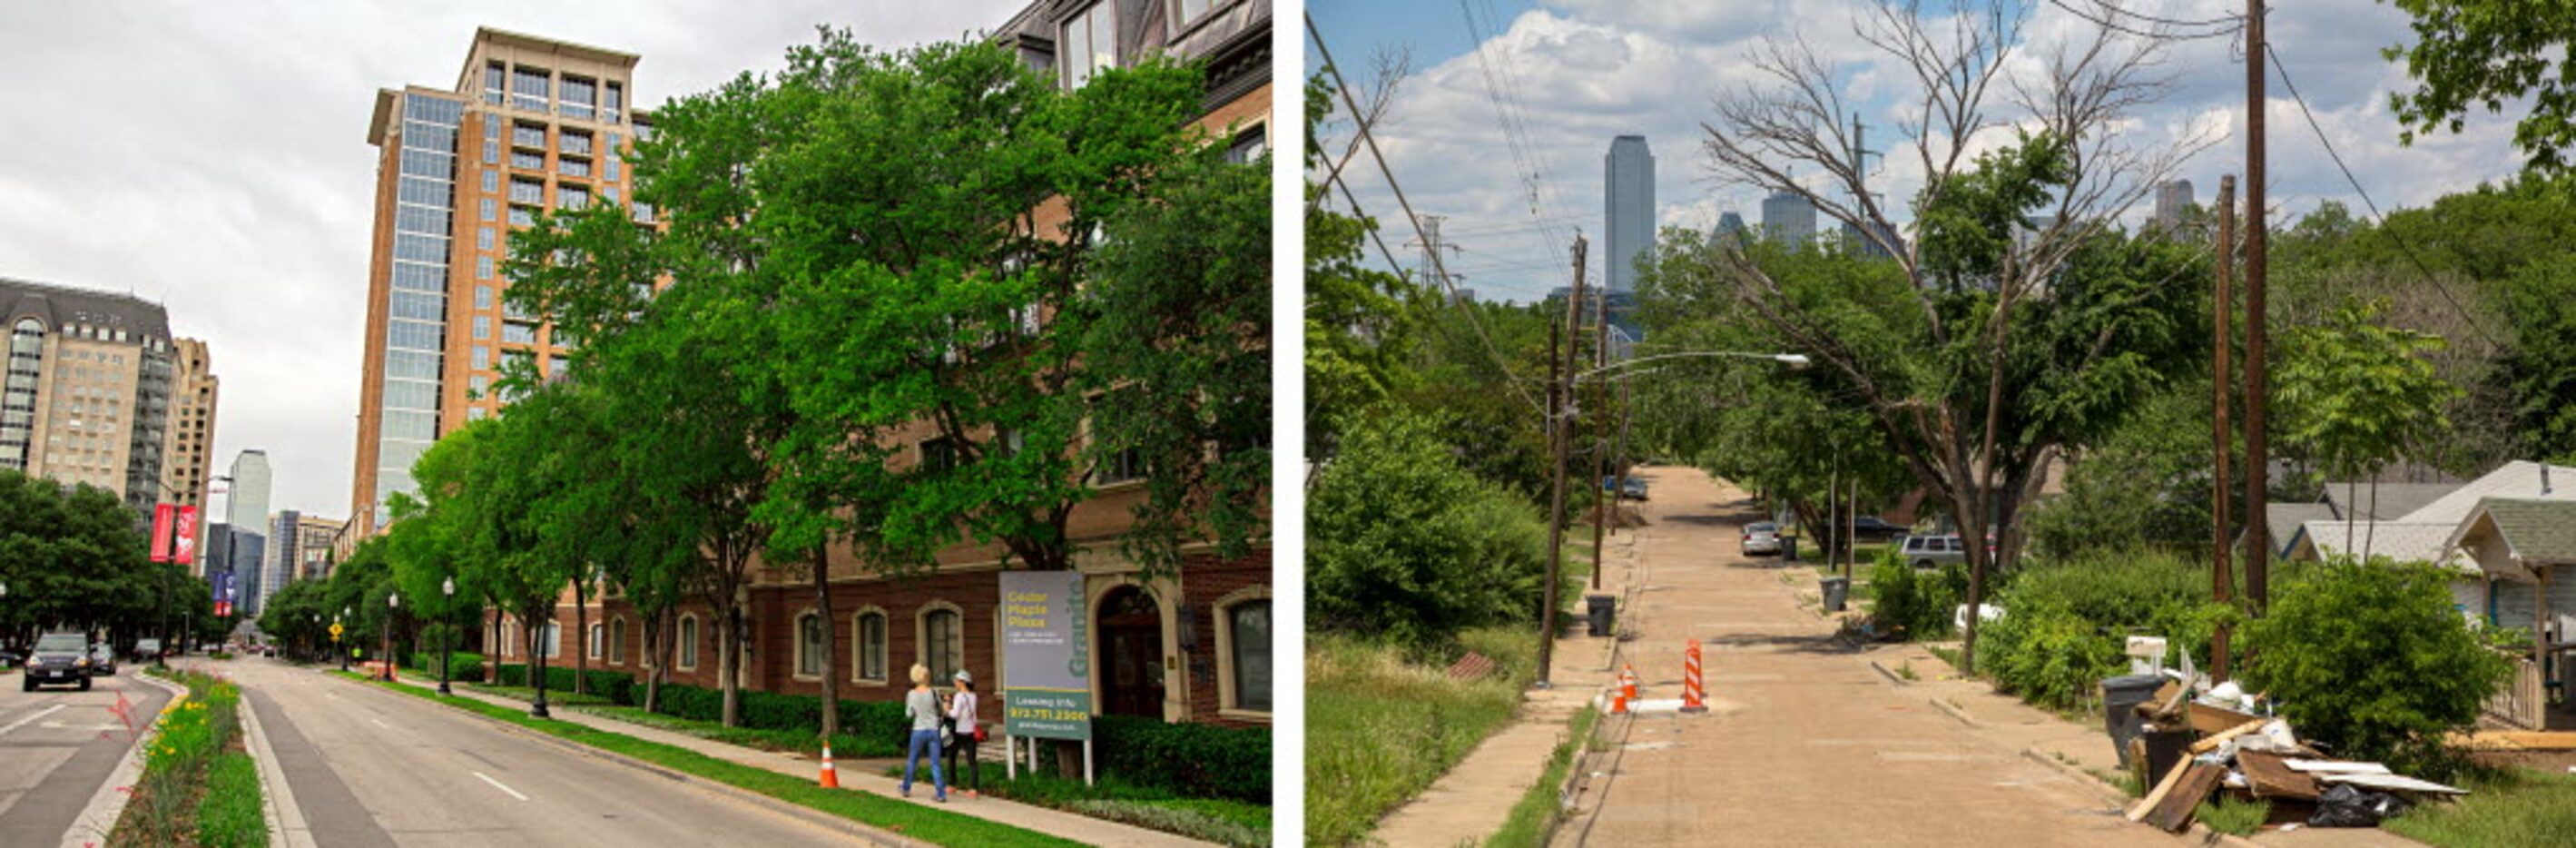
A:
{"x": 1917, "y": 603}
{"x": 1201, "y": 760}
{"x": 2065, "y": 624}
{"x": 1193, "y": 760}
{"x": 469, "y": 666}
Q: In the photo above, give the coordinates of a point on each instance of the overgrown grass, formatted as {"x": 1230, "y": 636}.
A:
{"x": 1535, "y": 818}
{"x": 919, "y": 822}
{"x": 766, "y": 739}
{"x": 1380, "y": 729}
{"x": 2234, "y": 817}
{"x": 191, "y": 758}
{"x": 2511, "y": 808}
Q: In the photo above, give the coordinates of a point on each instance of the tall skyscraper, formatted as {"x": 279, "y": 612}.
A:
{"x": 1629, "y": 192}
{"x": 246, "y": 507}
{"x": 1788, "y": 217}
{"x": 277, "y": 563}
{"x": 2173, "y": 197}
{"x": 531, "y": 124}
{"x": 189, "y": 448}
{"x": 85, "y": 396}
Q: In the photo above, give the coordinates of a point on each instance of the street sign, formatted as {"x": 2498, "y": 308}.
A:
{"x": 335, "y": 631}
{"x": 1046, "y": 649}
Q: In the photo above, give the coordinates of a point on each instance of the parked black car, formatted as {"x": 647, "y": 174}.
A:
{"x": 60, "y": 658}
{"x": 1871, "y": 526}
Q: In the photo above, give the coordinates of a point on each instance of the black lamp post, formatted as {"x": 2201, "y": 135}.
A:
{"x": 393, "y": 603}
{"x": 343, "y": 646}
{"x": 446, "y": 655}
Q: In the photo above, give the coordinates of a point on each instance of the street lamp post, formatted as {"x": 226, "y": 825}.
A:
{"x": 343, "y": 646}
{"x": 393, "y": 603}
{"x": 446, "y": 654}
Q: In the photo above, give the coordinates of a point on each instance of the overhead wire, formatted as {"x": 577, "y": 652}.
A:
{"x": 2224, "y": 26}
{"x": 1369, "y": 140}
{"x": 2283, "y": 69}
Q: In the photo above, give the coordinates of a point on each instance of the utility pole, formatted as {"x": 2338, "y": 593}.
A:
{"x": 2222, "y": 379}
{"x": 2258, "y": 532}
{"x": 1603, "y": 503}
{"x": 1560, "y": 399}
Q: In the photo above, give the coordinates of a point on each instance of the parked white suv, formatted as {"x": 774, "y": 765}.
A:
{"x": 1930, "y": 551}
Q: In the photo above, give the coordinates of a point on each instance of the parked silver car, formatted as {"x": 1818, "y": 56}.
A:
{"x": 1761, "y": 537}
{"x": 1930, "y": 551}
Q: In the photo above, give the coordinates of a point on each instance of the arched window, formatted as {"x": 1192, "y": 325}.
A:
{"x": 688, "y": 643}
{"x": 550, "y": 641}
{"x": 942, "y": 639}
{"x": 598, "y": 640}
{"x": 868, "y": 645}
{"x": 809, "y": 645}
{"x": 617, "y": 641}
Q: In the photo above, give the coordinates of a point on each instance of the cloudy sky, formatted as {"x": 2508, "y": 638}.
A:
{"x": 213, "y": 157}
{"x": 1583, "y": 71}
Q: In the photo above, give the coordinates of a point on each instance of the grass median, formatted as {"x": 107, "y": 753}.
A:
{"x": 199, "y": 787}
{"x": 2503, "y": 807}
{"x": 912, "y": 820}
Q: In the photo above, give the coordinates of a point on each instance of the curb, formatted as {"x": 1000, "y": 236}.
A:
{"x": 111, "y": 797}
{"x": 2199, "y": 832}
{"x": 286, "y": 825}
{"x": 1890, "y": 675}
{"x": 872, "y": 834}
{"x": 1956, "y": 712}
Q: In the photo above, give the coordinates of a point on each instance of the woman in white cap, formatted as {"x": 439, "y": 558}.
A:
{"x": 961, "y": 712}
{"x": 921, "y": 705}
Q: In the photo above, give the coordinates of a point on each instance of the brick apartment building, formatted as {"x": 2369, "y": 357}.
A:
{"x": 1191, "y": 647}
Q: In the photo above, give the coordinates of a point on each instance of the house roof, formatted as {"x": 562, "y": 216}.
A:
{"x": 2390, "y": 502}
{"x": 2516, "y": 479}
{"x": 2540, "y": 531}
{"x": 2403, "y": 541}
{"x": 2285, "y": 519}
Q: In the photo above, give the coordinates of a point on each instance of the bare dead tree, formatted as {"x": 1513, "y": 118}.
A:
{"x": 1980, "y": 85}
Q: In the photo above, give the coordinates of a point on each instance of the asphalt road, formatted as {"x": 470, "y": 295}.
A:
{"x": 58, "y": 746}
{"x": 370, "y": 767}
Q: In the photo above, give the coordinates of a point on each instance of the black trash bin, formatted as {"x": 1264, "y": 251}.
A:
{"x": 1837, "y": 592}
{"x": 2165, "y": 748}
{"x": 2120, "y": 697}
{"x": 1788, "y": 549}
{"x": 1601, "y": 611}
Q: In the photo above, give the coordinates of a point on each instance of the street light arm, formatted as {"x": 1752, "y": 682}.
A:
{"x": 1793, "y": 360}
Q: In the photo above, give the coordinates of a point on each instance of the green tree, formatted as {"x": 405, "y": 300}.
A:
{"x": 2359, "y": 394}
{"x": 2540, "y": 369}
{"x": 1406, "y": 544}
{"x": 2371, "y": 660}
{"x": 2482, "y": 53}
{"x": 1358, "y": 322}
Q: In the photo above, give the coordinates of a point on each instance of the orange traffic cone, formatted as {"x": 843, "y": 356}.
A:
{"x": 1628, "y": 681}
{"x": 830, "y": 779}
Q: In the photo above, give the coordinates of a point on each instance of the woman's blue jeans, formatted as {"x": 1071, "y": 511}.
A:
{"x": 924, "y": 741}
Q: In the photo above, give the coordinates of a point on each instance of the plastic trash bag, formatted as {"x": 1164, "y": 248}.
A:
{"x": 2345, "y": 806}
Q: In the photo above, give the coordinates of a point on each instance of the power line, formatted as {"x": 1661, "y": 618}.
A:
{"x": 2402, "y": 247}
{"x": 1501, "y": 363}
{"x": 2231, "y": 25}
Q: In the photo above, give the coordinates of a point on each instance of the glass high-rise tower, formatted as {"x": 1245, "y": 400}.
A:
{"x": 531, "y": 124}
{"x": 1629, "y": 190}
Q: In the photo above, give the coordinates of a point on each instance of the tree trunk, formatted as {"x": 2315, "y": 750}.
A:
{"x": 581, "y": 625}
{"x": 729, "y": 665}
{"x": 2371, "y": 534}
{"x": 2350, "y": 490}
{"x": 492, "y": 658}
{"x": 536, "y": 652}
{"x": 831, "y": 672}
{"x": 666, "y": 621}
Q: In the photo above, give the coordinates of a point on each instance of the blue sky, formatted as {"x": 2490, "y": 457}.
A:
{"x": 1586, "y": 70}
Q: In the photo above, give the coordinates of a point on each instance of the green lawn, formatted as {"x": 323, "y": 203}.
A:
{"x": 929, "y": 824}
{"x": 1380, "y": 729}
{"x": 1222, "y": 821}
{"x": 2520, "y": 807}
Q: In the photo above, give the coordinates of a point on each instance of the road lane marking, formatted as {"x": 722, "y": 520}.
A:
{"x": 497, "y": 785}
{"x": 4, "y": 731}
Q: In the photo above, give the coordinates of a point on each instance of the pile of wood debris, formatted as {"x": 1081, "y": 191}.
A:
{"x": 2236, "y": 754}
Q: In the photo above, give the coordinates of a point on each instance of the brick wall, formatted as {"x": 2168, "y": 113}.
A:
{"x": 1203, "y": 583}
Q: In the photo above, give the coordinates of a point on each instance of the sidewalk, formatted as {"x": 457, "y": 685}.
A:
{"x": 1067, "y": 825}
{"x": 1472, "y": 801}
{"x": 1804, "y": 743}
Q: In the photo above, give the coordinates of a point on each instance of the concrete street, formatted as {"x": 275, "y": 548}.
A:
{"x": 1804, "y": 743}
{"x": 58, "y": 746}
{"x": 369, "y": 767}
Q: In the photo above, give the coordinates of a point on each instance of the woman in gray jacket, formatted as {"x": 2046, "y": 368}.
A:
{"x": 921, "y": 706}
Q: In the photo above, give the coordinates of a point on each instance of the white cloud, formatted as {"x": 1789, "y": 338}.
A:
{"x": 213, "y": 157}
{"x": 1588, "y": 70}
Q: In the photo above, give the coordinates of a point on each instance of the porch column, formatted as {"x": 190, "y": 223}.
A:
{"x": 2540, "y": 619}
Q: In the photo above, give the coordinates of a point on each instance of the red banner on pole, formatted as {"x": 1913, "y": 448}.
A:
{"x": 162, "y": 514}
{"x": 223, "y": 608}
{"x": 185, "y": 547}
